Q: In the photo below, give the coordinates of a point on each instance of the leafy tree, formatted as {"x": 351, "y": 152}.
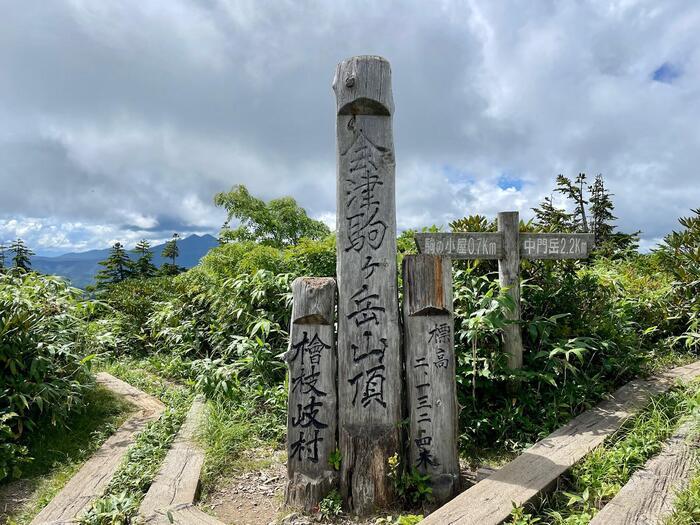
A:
{"x": 278, "y": 223}
{"x": 143, "y": 266}
{"x": 680, "y": 255}
{"x": 575, "y": 191}
{"x": 22, "y": 255}
{"x": 117, "y": 267}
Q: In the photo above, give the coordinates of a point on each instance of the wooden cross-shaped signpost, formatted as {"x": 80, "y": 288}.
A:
{"x": 508, "y": 245}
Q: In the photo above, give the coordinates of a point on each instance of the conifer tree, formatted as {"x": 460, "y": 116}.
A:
{"x": 170, "y": 250}
{"x": 601, "y": 207}
{"x": 143, "y": 266}
{"x": 550, "y": 218}
{"x": 22, "y": 255}
{"x": 574, "y": 191}
{"x": 3, "y": 251}
{"x": 117, "y": 267}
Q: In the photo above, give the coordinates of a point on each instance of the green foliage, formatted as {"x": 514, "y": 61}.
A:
{"x": 279, "y": 223}
{"x": 125, "y": 308}
{"x": 115, "y": 509}
{"x": 679, "y": 255}
{"x": 57, "y": 453}
{"x": 143, "y": 267}
{"x": 22, "y": 257}
{"x": 401, "y": 519}
{"x": 117, "y": 267}
{"x": 44, "y": 373}
{"x": 171, "y": 250}
{"x": 331, "y": 506}
{"x": 312, "y": 258}
{"x": 335, "y": 459}
{"x": 410, "y": 485}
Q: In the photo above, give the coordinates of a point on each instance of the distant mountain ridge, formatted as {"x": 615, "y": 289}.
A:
{"x": 80, "y": 267}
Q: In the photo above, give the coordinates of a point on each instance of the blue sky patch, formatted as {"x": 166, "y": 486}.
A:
{"x": 666, "y": 73}
{"x": 455, "y": 175}
{"x": 506, "y": 181}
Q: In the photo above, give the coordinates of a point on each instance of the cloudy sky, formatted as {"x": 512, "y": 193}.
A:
{"x": 122, "y": 119}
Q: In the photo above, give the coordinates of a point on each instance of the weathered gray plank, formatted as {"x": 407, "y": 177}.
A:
{"x": 177, "y": 481}
{"x": 183, "y": 514}
{"x": 467, "y": 245}
{"x": 369, "y": 353}
{"x": 93, "y": 477}
{"x": 313, "y": 399}
{"x": 509, "y": 277}
{"x": 556, "y": 245}
{"x": 430, "y": 372}
{"x": 491, "y": 501}
{"x": 649, "y": 495}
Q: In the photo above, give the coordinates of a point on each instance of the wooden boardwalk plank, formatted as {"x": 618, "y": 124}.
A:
{"x": 536, "y": 469}
{"x": 649, "y": 495}
{"x": 186, "y": 514}
{"x": 178, "y": 479}
{"x": 94, "y": 476}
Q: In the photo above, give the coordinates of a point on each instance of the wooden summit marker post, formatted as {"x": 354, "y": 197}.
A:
{"x": 369, "y": 356}
{"x": 312, "y": 413}
{"x": 508, "y": 245}
{"x": 430, "y": 372}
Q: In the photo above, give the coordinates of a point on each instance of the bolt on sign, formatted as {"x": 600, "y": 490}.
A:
{"x": 312, "y": 413}
{"x": 369, "y": 356}
{"x": 508, "y": 246}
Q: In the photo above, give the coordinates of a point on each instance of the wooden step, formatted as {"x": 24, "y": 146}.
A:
{"x": 491, "y": 501}
{"x": 649, "y": 495}
{"x": 186, "y": 514}
{"x": 177, "y": 481}
{"x": 94, "y": 476}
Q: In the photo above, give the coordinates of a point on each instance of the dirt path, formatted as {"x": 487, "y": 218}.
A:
{"x": 13, "y": 496}
{"x": 250, "y": 498}
{"x": 256, "y": 497}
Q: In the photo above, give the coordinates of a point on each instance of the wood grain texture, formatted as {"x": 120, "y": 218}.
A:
{"x": 94, "y": 476}
{"x": 461, "y": 245}
{"x": 556, "y": 245}
{"x": 313, "y": 398}
{"x": 535, "y": 470}
{"x": 369, "y": 347}
{"x": 430, "y": 372}
{"x": 649, "y": 495}
{"x": 509, "y": 277}
{"x": 184, "y": 514}
{"x": 177, "y": 481}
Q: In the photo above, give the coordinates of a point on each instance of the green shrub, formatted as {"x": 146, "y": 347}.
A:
{"x": 44, "y": 373}
{"x": 312, "y": 258}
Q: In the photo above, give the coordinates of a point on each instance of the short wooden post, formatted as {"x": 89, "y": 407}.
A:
{"x": 369, "y": 348}
{"x": 509, "y": 277}
{"x": 312, "y": 414}
{"x": 430, "y": 371}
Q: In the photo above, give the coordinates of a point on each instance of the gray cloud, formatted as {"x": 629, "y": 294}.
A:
{"x": 123, "y": 118}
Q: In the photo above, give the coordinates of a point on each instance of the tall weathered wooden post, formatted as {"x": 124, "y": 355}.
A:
{"x": 509, "y": 277}
{"x": 312, "y": 415}
{"x": 369, "y": 360}
{"x": 430, "y": 371}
